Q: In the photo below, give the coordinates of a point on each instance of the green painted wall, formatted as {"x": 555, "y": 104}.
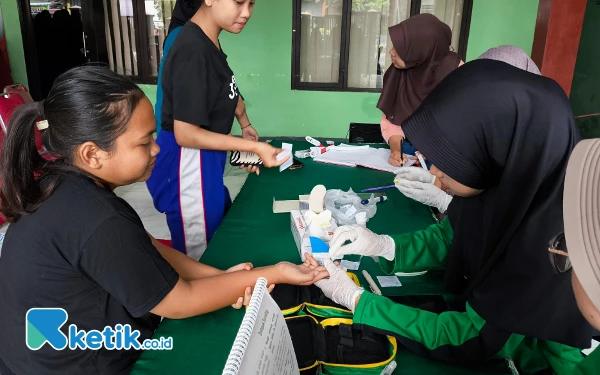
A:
{"x": 12, "y": 29}
{"x": 261, "y": 58}
{"x": 150, "y": 91}
{"x": 498, "y": 22}
{"x": 586, "y": 81}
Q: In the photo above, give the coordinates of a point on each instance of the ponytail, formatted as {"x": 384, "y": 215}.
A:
{"x": 20, "y": 192}
{"x": 85, "y": 104}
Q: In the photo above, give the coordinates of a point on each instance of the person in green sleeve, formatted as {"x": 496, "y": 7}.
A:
{"x": 499, "y": 138}
{"x": 582, "y": 234}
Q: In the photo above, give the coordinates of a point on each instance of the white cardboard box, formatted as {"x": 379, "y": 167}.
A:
{"x": 299, "y": 230}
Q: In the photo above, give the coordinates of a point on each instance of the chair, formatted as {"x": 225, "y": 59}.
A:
{"x": 11, "y": 98}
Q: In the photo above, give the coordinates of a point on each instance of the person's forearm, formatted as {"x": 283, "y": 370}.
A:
{"x": 449, "y": 336}
{"x": 192, "y": 136}
{"x": 191, "y": 298}
{"x": 394, "y": 142}
{"x": 421, "y": 250}
{"x": 187, "y": 268}
{"x": 241, "y": 115}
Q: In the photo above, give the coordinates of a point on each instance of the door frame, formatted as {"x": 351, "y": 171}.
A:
{"x": 31, "y": 61}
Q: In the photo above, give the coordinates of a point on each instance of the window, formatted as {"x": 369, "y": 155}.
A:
{"x": 343, "y": 45}
{"x": 135, "y": 33}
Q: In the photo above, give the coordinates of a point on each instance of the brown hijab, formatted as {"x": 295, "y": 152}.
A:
{"x": 423, "y": 43}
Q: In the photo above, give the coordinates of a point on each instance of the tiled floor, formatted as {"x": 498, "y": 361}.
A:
{"x": 139, "y": 198}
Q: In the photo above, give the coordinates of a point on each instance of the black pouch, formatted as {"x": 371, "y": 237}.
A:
{"x": 336, "y": 346}
{"x": 365, "y": 133}
{"x": 292, "y": 299}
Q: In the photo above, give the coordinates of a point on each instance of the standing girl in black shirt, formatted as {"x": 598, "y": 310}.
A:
{"x": 73, "y": 244}
{"x": 197, "y": 107}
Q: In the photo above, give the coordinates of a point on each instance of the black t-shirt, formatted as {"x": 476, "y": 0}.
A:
{"x": 84, "y": 250}
{"x": 198, "y": 86}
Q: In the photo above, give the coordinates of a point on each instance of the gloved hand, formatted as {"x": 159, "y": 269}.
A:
{"x": 339, "y": 287}
{"x": 426, "y": 193}
{"x": 364, "y": 242}
{"x": 415, "y": 174}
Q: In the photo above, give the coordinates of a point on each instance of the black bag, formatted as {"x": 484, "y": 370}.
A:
{"x": 336, "y": 346}
{"x": 365, "y": 133}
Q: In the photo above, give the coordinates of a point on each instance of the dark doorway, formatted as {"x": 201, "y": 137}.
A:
{"x": 56, "y": 38}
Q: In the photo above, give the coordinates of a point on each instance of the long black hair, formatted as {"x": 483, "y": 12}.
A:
{"x": 86, "y": 104}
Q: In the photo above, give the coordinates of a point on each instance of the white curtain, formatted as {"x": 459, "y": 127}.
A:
{"x": 370, "y": 42}
{"x": 450, "y": 12}
{"x": 321, "y": 30}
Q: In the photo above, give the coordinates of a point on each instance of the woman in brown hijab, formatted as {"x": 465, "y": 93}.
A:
{"x": 421, "y": 58}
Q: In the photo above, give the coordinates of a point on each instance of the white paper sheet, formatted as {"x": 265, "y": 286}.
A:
{"x": 350, "y": 266}
{"x": 388, "y": 281}
{"x": 287, "y": 151}
{"x": 343, "y": 157}
{"x": 379, "y": 159}
{"x": 373, "y": 158}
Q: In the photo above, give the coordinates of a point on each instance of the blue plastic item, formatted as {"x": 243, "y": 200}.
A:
{"x": 318, "y": 245}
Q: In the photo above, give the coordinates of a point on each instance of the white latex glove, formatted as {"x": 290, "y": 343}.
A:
{"x": 364, "y": 242}
{"x": 339, "y": 287}
{"x": 425, "y": 193}
{"x": 415, "y": 174}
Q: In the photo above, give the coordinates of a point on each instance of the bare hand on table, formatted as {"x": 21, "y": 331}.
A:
{"x": 268, "y": 154}
{"x": 397, "y": 159}
{"x": 305, "y": 274}
{"x": 245, "y": 300}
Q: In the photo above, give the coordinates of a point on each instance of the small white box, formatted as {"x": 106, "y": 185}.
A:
{"x": 299, "y": 228}
{"x": 301, "y": 237}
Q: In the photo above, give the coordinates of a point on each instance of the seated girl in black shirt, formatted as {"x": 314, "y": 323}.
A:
{"x": 73, "y": 244}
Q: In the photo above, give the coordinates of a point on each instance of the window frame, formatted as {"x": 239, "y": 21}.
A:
{"x": 342, "y": 84}
{"x": 144, "y": 75}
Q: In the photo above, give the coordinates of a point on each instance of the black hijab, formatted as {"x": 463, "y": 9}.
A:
{"x": 183, "y": 11}
{"x": 492, "y": 126}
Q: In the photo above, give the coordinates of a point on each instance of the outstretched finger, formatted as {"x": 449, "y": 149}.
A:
{"x": 247, "y": 296}
{"x": 310, "y": 262}
{"x": 238, "y": 304}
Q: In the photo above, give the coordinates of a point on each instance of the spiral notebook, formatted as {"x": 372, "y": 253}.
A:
{"x": 263, "y": 344}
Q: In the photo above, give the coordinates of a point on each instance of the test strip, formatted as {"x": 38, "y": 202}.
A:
{"x": 422, "y": 161}
{"x": 371, "y": 282}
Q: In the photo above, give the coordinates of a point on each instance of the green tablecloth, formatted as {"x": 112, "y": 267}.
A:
{"x": 252, "y": 232}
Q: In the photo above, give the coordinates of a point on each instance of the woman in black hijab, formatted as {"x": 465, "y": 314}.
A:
{"x": 182, "y": 12}
{"x": 500, "y": 139}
